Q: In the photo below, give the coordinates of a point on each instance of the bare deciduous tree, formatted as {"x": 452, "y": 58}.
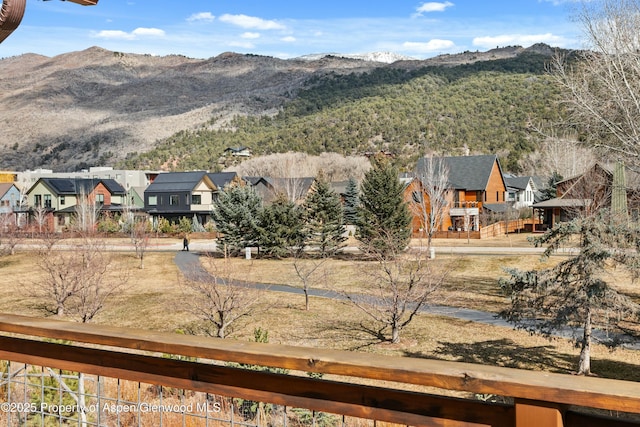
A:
{"x": 306, "y": 268}
{"x": 295, "y": 165}
{"x": 87, "y": 211}
{"x": 602, "y": 88}
{"x": 140, "y": 233}
{"x": 217, "y": 301}
{"x": 10, "y": 235}
{"x": 76, "y": 283}
{"x": 40, "y": 216}
{"x": 566, "y": 156}
{"x": 397, "y": 288}
{"x": 433, "y": 174}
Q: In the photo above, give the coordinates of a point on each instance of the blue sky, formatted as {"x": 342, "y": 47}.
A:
{"x": 285, "y": 29}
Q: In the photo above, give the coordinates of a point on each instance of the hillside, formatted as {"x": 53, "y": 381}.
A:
{"x": 97, "y": 107}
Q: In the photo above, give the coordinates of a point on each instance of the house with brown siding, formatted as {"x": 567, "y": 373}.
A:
{"x": 476, "y": 185}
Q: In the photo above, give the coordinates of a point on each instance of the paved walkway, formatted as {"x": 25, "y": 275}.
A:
{"x": 189, "y": 264}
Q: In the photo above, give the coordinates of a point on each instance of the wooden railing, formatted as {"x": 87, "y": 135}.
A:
{"x": 541, "y": 399}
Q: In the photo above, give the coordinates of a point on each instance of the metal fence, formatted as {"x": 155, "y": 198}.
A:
{"x": 41, "y": 396}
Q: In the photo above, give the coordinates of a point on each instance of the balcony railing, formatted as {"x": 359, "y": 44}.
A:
{"x": 405, "y": 391}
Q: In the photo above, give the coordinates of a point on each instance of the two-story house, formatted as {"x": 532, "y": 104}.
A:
{"x": 64, "y": 198}
{"x": 9, "y": 197}
{"x": 175, "y": 195}
{"x": 521, "y": 191}
{"x": 475, "y": 183}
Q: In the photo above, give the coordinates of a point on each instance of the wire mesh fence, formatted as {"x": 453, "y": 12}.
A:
{"x": 41, "y": 396}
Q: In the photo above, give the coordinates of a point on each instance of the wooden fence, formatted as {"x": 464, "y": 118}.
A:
{"x": 541, "y": 399}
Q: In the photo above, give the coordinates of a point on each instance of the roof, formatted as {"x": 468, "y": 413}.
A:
{"x": 562, "y": 203}
{"x": 114, "y": 186}
{"x": 222, "y": 179}
{"x": 469, "y": 173}
{"x": 5, "y": 187}
{"x": 177, "y": 181}
{"x": 70, "y": 186}
{"x": 518, "y": 182}
{"x": 496, "y": 207}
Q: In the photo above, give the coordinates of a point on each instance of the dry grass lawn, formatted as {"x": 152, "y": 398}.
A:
{"x": 152, "y": 299}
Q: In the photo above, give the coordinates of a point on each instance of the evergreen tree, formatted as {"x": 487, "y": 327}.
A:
{"x": 324, "y": 218}
{"x": 351, "y": 202}
{"x": 551, "y": 191}
{"x": 384, "y": 221}
{"x": 577, "y": 292}
{"x": 281, "y": 227}
{"x": 235, "y": 214}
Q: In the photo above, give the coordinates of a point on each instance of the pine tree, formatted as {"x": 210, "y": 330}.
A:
{"x": 324, "y": 218}
{"x": 235, "y": 214}
{"x": 577, "y": 292}
{"x": 351, "y": 202}
{"x": 281, "y": 228}
{"x": 384, "y": 221}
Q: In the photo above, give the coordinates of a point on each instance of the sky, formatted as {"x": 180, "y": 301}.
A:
{"x": 292, "y": 28}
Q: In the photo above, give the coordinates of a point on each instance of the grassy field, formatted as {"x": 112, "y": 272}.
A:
{"x": 153, "y": 299}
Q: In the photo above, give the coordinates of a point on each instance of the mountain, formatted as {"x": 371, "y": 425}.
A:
{"x": 97, "y": 107}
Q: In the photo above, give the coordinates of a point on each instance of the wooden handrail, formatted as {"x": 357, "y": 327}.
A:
{"x": 554, "y": 388}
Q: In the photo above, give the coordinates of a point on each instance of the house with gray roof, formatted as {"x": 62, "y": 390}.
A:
{"x": 476, "y": 185}
{"x": 521, "y": 191}
{"x": 61, "y": 197}
{"x": 175, "y": 195}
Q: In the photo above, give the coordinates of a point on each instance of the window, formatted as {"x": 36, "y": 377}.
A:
{"x": 61, "y": 220}
{"x": 47, "y": 201}
{"x": 416, "y": 196}
{"x": 174, "y": 200}
{"x": 196, "y": 199}
{"x": 62, "y": 201}
{"x": 153, "y": 200}
{"x": 100, "y": 198}
{"x": 37, "y": 200}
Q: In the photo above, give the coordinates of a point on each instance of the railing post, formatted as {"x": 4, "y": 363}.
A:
{"x": 538, "y": 414}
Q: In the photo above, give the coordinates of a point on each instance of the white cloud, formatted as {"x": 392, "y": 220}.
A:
{"x": 135, "y": 34}
{"x": 202, "y": 16}
{"x": 148, "y": 32}
{"x": 251, "y": 22}
{"x": 249, "y": 35}
{"x": 490, "y": 42}
{"x": 433, "y": 45}
{"x": 433, "y": 7}
{"x": 114, "y": 35}
{"x": 288, "y": 39}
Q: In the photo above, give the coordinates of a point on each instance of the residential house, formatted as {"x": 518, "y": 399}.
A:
{"x": 11, "y": 205}
{"x": 521, "y": 191}
{"x": 64, "y": 198}
{"x": 176, "y": 195}
{"x": 238, "y": 151}
{"x": 10, "y": 197}
{"x": 476, "y": 185}
{"x": 586, "y": 193}
{"x": 268, "y": 188}
{"x": 127, "y": 178}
